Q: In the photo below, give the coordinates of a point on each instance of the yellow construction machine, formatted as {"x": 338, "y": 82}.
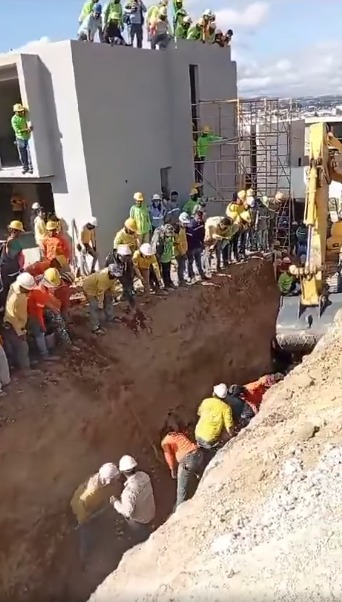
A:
{"x": 303, "y": 319}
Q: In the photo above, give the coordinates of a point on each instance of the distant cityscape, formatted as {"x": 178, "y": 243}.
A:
{"x": 315, "y": 106}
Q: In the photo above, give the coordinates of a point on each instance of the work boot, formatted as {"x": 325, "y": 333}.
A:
{"x": 51, "y": 358}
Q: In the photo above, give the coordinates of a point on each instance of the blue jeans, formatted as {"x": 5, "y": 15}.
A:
{"x": 181, "y": 263}
{"x": 35, "y": 329}
{"x": 24, "y": 154}
{"x": 195, "y": 256}
{"x": 189, "y": 468}
{"x": 95, "y": 312}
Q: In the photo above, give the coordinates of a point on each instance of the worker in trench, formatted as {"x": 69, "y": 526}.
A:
{"x": 219, "y": 232}
{"x": 183, "y": 457}
{"x": 146, "y": 268}
{"x": 127, "y": 235}
{"x": 215, "y": 425}
{"x": 11, "y": 258}
{"x": 121, "y": 258}
{"x": 100, "y": 289}
{"x": 87, "y": 247}
{"x": 55, "y": 244}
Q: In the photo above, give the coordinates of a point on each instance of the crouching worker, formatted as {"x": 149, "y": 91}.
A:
{"x": 179, "y": 450}
{"x": 100, "y": 289}
{"x": 89, "y": 499}
{"x": 147, "y": 268}
{"x": 215, "y": 425}
{"x": 63, "y": 293}
{"x": 122, "y": 259}
{"x": 15, "y": 322}
{"x": 136, "y": 503}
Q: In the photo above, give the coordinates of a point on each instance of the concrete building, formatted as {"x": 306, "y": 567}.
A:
{"x": 107, "y": 122}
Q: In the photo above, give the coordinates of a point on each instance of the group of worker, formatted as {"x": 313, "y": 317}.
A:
{"x": 109, "y": 23}
{"x": 128, "y": 491}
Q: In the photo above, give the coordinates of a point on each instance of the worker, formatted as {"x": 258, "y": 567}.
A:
{"x": 112, "y": 12}
{"x": 127, "y": 235}
{"x": 136, "y": 503}
{"x": 234, "y": 209}
{"x": 39, "y": 226}
{"x": 190, "y": 205}
{"x": 219, "y": 232}
{"x": 22, "y": 129}
{"x": 55, "y": 245}
{"x": 219, "y": 39}
{"x": 245, "y": 219}
{"x": 287, "y": 282}
{"x": 87, "y": 246}
{"x": 228, "y": 37}
{"x": 144, "y": 261}
{"x": 11, "y": 257}
{"x": 91, "y": 497}
{"x": 15, "y": 321}
{"x": 139, "y": 213}
{"x": 204, "y": 141}
{"x": 63, "y": 293}
{"x": 99, "y": 289}
{"x": 91, "y": 25}
{"x": 134, "y": 17}
{"x": 161, "y": 30}
{"x": 180, "y": 246}
{"x": 195, "y": 232}
{"x": 112, "y": 33}
{"x": 195, "y": 31}
{"x": 254, "y": 392}
{"x": 121, "y": 258}
{"x": 86, "y": 10}
{"x": 241, "y": 410}
{"x": 19, "y": 207}
{"x": 183, "y": 25}
{"x": 157, "y": 212}
{"x": 151, "y": 16}
{"x": 210, "y": 33}
{"x": 5, "y": 377}
{"x": 215, "y": 424}
{"x": 301, "y": 238}
{"x": 179, "y": 14}
{"x": 41, "y": 297}
{"x": 172, "y": 209}
{"x": 162, "y": 246}
{"x": 184, "y": 459}
{"x": 262, "y": 220}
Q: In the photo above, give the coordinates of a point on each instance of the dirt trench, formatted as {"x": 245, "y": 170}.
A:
{"x": 109, "y": 399}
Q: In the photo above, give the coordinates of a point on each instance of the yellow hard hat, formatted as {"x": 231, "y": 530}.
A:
{"x": 206, "y": 129}
{"x": 250, "y": 192}
{"x": 131, "y": 224}
{"x": 242, "y": 195}
{"x": 193, "y": 191}
{"x": 138, "y": 196}
{"x": 51, "y": 226}
{"x": 17, "y": 108}
{"x": 52, "y": 276}
{"x": 16, "y": 225}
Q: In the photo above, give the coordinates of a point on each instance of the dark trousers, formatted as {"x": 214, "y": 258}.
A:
{"x": 161, "y": 40}
{"x": 112, "y": 35}
{"x": 189, "y": 469}
{"x": 199, "y": 169}
{"x": 166, "y": 274}
{"x": 209, "y": 450}
{"x": 24, "y": 154}
{"x": 195, "y": 256}
{"x": 181, "y": 262}
{"x": 153, "y": 279}
{"x": 244, "y": 236}
{"x": 235, "y": 245}
{"x": 16, "y": 348}
{"x": 137, "y": 532}
{"x": 222, "y": 252}
{"x": 136, "y": 31}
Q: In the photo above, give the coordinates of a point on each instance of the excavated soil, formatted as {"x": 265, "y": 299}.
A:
{"x": 110, "y": 398}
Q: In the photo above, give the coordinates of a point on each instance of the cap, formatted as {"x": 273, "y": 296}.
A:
{"x": 127, "y": 463}
{"x": 221, "y": 390}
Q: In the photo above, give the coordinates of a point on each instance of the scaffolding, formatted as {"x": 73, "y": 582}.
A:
{"x": 252, "y": 150}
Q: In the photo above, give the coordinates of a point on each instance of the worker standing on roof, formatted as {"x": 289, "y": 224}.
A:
{"x": 91, "y": 25}
{"x": 215, "y": 424}
{"x": 134, "y": 16}
{"x": 161, "y": 30}
{"x": 184, "y": 459}
{"x": 87, "y": 246}
{"x": 139, "y": 213}
{"x": 15, "y": 321}
{"x": 152, "y": 15}
{"x": 195, "y": 31}
{"x": 11, "y": 258}
{"x": 180, "y": 246}
{"x": 55, "y": 245}
{"x": 144, "y": 261}
{"x": 22, "y": 129}
{"x": 181, "y": 20}
{"x": 204, "y": 141}
{"x": 157, "y": 212}
{"x": 41, "y": 297}
{"x": 136, "y": 503}
{"x": 99, "y": 289}
{"x": 127, "y": 235}
{"x": 113, "y": 12}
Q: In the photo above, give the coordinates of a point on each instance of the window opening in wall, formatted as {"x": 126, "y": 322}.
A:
{"x": 299, "y": 161}
{"x": 165, "y": 180}
{"x": 9, "y": 95}
{"x": 193, "y": 77}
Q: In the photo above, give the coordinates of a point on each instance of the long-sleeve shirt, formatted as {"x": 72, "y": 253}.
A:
{"x": 137, "y": 499}
{"x": 112, "y": 12}
{"x": 90, "y": 26}
{"x": 124, "y": 238}
{"x": 144, "y": 263}
{"x": 38, "y": 299}
{"x": 136, "y": 16}
{"x": 90, "y": 496}
{"x": 97, "y": 284}
{"x": 157, "y": 216}
{"x": 141, "y": 217}
{"x": 20, "y": 126}
{"x": 55, "y": 246}
{"x": 180, "y": 243}
{"x": 87, "y": 237}
{"x": 204, "y": 142}
{"x": 86, "y": 10}
{"x": 195, "y": 235}
{"x": 194, "y": 32}
{"x": 39, "y": 230}
{"x": 215, "y": 416}
{"x": 213, "y": 232}
{"x": 175, "y": 447}
{"x": 16, "y": 309}
{"x": 234, "y": 211}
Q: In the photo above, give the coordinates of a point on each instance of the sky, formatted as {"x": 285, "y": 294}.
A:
{"x": 282, "y": 47}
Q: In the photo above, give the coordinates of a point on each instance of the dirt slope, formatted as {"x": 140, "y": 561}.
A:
{"x": 112, "y": 398}
{"x": 265, "y": 521}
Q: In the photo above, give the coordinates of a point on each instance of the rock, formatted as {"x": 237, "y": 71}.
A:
{"x": 306, "y": 431}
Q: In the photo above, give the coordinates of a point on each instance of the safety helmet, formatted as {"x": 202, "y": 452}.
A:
{"x": 18, "y": 107}
{"x": 184, "y": 218}
{"x": 127, "y": 463}
{"x": 92, "y": 221}
{"x": 193, "y": 191}
{"x": 219, "y": 32}
{"x": 242, "y": 195}
{"x": 67, "y": 276}
{"x": 168, "y": 230}
{"x": 35, "y": 206}
{"x": 50, "y": 226}
{"x": 187, "y": 19}
{"x": 124, "y": 250}
{"x": 279, "y": 196}
{"x": 51, "y": 278}
{"x": 26, "y": 281}
{"x": 131, "y": 224}
{"x": 16, "y": 225}
{"x": 97, "y": 8}
{"x": 163, "y": 11}
{"x": 156, "y": 197}
{"x": 207, "y": 13}
{"x": 138, "y": 196}
{"x": 108, "y": 472}
{"x": 146, "y": 249}
{"x": 206, "y": 129}
{"x": 220, "y": 390}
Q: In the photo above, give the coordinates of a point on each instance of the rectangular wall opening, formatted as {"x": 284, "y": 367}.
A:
{"x": 9, "y": 95}
{"x": 30, "y": 193}
{"x": 165, "y": 180}
{"x": 193, "y": 78}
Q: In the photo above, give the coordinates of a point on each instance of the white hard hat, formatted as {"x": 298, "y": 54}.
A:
{"x": 108, "y": 471}
{"x": 92, "y": 221}
{"x": 184, "y": 218}
{"x": 26, "y": 281}
{"x": 221, "y": 390}
{"x": 124, "y": 250}
{"x": 127, "y": 463}
{"x": 35, "y": 206}
{"x": 207, "y": 12}
{"x": 146, "y": 249}
{"x": 156, "y": 197}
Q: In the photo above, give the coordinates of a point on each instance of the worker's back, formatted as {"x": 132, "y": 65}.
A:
{"x": 214, "y": 416}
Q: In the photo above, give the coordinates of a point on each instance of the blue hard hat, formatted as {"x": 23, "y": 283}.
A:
{"x": 97, "y": 8}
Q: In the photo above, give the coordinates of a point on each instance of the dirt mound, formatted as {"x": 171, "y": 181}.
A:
{"x": 267, "y": 512}
{"x": 109, "y": 399}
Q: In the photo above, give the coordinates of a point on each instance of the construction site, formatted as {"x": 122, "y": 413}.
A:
{"x": 252, "y": 528}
